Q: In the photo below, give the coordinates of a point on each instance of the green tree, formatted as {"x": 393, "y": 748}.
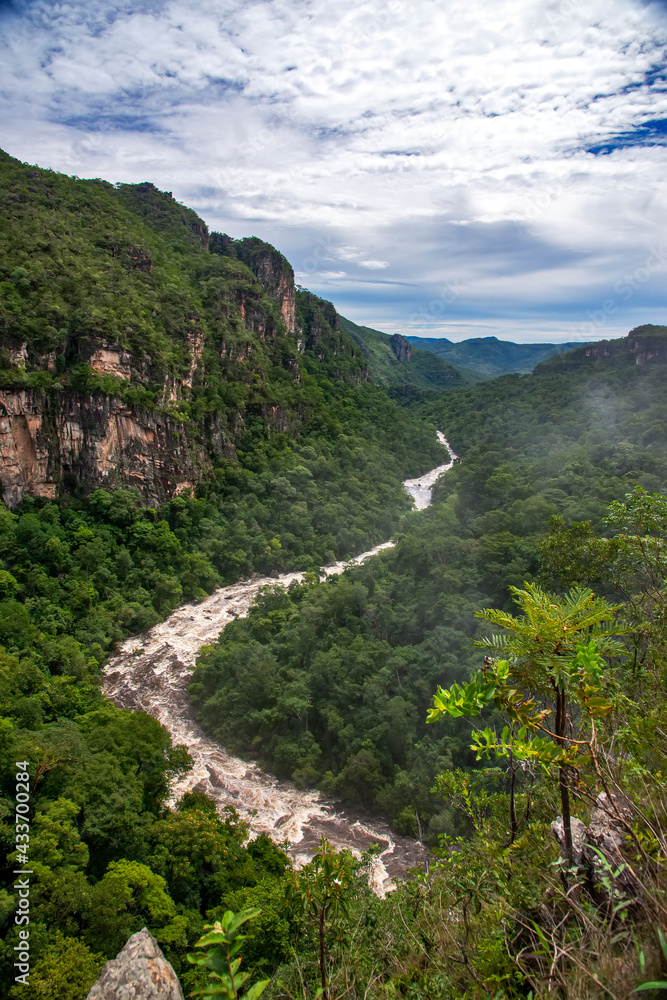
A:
{"x": 222, "y": 960}
{"x": 65, "y": 971}
{"x": 125, "y": 899}
{"x": 321, "y": 892}
{"x": 555, "y": 654}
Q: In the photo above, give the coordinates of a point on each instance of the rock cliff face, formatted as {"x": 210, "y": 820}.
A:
{"x": 135, "y": 347}
{"x": 644, "y": 345}
{"x": 272, "y": 270}
{"x": 51, "y": 443}
{"x": 139, "y": 972}
{"x": 401, "y": 348}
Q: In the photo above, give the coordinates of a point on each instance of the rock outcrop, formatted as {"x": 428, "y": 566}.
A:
{"x": 276, "y": 276}
{"x": 139, "y": 972}
{"x": 48, "y": 443}
{"x": 401, "y": 348}
{"x": 273, "y": 271}
{"x": 598, "y": 847}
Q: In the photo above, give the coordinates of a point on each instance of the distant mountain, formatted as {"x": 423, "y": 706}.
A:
{"x": 394, "y": 362}
{"x": 489, "y": 357}
{"x": 643, "y": 345}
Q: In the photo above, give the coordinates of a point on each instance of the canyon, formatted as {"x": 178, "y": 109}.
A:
{"x": 151, "y": 672}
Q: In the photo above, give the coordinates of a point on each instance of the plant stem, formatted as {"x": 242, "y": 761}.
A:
{"x": 323, "y": 973}
{"x": 562, "y": 779}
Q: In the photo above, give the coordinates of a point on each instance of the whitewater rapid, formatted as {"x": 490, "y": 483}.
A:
{"x": 151, "y": 673}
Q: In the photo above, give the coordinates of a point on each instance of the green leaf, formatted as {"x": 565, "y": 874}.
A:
{"x": 256, "y": 990}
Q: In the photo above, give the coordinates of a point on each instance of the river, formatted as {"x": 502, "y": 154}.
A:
{"x": 151, "y": 673}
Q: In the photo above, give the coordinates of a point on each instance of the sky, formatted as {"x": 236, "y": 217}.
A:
{"x": 437, "y": 168}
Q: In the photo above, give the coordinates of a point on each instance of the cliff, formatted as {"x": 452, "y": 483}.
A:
{"x": 644, "y": 345}
{"x": 51, "y": 442}
{"x": 273, "y": 271}
{"x": 401, "y": 348}
{"x": 135, "y": 347}
{"x": 400, "y": 366}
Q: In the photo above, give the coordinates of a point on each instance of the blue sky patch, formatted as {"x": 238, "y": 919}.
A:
{"x": 651, "y": 133}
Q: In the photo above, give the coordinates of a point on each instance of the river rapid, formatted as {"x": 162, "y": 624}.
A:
{"x": 151, "y": 673}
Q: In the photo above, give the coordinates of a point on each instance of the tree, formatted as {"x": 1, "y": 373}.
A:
{"x": 128, "y": 897}
{"x": 223, "y": 960}
{"x": 65, "y": 971}
{"x": 555, "y": 652}
{"x": 321, "y": 891}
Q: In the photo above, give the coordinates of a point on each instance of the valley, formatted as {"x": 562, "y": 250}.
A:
{"x": 238, "y": 562}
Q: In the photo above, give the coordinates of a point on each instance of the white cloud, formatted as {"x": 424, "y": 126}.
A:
{"x": 432, "y": 142}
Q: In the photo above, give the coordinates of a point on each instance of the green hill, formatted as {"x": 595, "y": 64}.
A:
{"x": 393, "y": 362}
{"x": 489, "y": 357}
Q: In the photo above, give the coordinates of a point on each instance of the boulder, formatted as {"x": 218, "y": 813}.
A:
{"x": 605, "y": 834}
{"x": 578, "y": 837}
{"x": 139, "y": 972}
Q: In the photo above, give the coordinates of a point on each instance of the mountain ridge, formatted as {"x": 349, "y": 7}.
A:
{"x": 489, "y": 357}
{"x": 395, "y": 362}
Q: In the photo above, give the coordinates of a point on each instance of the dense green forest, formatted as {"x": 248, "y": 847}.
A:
{"x": 85, "y": 263}
{"x": 332, "y": 683}
{"x": 301, "y": 454}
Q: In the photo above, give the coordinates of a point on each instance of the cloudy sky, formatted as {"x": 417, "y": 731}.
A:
{"x": 451, "y": 168}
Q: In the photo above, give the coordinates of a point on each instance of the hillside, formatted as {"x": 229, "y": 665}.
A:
{"x": 565, "y": 441}
{"x": 395, "y": 364}
{"x": 138, "y": 350}
{"x": 488, "y": 357}
{"x": 175, "y": 414}
{"x": 548, "y": 490}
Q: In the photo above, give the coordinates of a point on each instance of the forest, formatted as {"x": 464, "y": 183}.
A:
{"x": 501, "y": 666}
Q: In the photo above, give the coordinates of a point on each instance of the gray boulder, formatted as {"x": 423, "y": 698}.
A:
{"x": 578, "y": 837}
{"x": 139, "y": 972}
{"x": 606, "y": 832}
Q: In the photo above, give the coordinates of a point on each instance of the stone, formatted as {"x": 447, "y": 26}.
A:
{"x": 139, "y": 972}
{"x": 401, "y": 348}
{"x": 605, "y": 834}
{"x": 578, "y": 829}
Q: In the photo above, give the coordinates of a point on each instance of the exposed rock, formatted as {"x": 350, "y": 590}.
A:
{"x": 273, "y": 272}
{"x": 19, "y": 355}
{"x": 139, "y": 258}
{"x": 578, "y": 829}
{"x": 108, "y": 360}
{"x": 276, "y": 276}
{"x": 101, "y": 441}
{"x": 139, "y": 972}
{"x": 605, "y": 834}
{"x": 401, "y": 348}
{"x": 644, "y": 345}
